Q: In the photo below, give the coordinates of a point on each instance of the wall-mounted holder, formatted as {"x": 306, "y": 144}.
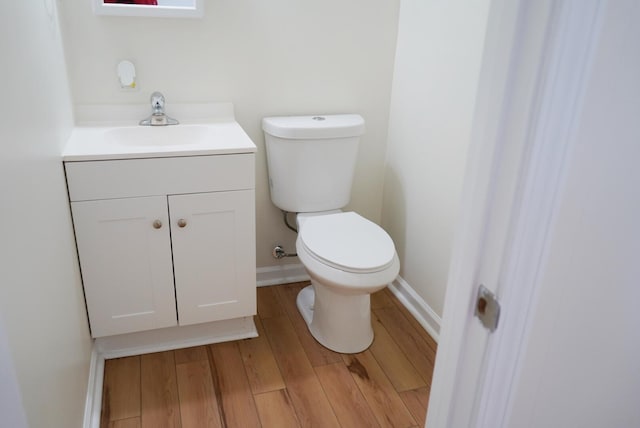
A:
{"x": 127, "y": 75}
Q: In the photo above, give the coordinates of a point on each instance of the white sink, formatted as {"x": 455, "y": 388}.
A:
{"x": 112, "y": 132}
{"x": 171, "y": 135}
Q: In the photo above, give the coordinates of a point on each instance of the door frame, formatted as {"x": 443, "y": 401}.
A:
{"x": 533, "y": 77}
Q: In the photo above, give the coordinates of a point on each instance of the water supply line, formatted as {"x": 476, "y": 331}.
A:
{"x": 286, "y": 221}
{"x": 278, "y": 251}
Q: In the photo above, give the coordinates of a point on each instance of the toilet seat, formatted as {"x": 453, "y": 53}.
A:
{"x": 348, "y": 242}
{"x": 347, "y": 258}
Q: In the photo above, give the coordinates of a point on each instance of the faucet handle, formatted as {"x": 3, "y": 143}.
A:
{"x": 158, "y": 118}
{"x": 157, "y": 102}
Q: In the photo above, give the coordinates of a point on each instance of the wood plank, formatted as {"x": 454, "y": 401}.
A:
{"x": 275, "y": 410}
{"x": 259, "y": 363}
{"x": 385, "y": 403}
{"x": 125, "y": 423}
{"x": 409, "y": 341}
{"x": 393, "y": 361}
{"x": 308, "y": 398}
{"x": 416, "y": 325}
{"x": 268, "y": 303}
{"x": 317, "y": 354}
{"x": 188, "y": 355}
{"x": 380, "y": 299}
{"x": 198, "y": 403}
{"x": 237, "y": 407}
{"x": 347, "y": 401}
{"x": 121, "y": 389}
{"x": 159, "y": 391}
{"x": 417, "y": 401}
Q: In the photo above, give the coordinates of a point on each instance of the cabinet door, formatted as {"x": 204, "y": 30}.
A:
{"x": 213, "y": 237}
{"x": 126, "y": 264}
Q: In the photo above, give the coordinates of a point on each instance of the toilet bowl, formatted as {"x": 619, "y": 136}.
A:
{"x": 347, "y": 258}
{"x": 311, "y": 163}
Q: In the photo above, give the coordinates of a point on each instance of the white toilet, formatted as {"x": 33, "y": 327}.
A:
{"x": 311, "y": 161}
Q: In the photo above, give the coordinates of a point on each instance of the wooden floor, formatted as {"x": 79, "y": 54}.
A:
{"x": 283, "y": 378}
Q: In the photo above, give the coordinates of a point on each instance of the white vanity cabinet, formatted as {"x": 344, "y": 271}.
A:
{"x": 165, "y": 241}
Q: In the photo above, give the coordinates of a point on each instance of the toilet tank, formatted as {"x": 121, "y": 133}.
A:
{"x": 311, "y": 160}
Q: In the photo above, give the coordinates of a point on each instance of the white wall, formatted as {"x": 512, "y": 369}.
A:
{"x": 269, "y": 58}
{"x": 41, "y": 300}
{"x": 11, "y": 408}
{"x": 582, "y": 364}
{"x": 434, "y": 85}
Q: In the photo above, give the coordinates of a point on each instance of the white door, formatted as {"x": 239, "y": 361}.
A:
{"x": 213, "y": 236}
{"x": 565, "y": 261}
{"x": 125, "y": 259}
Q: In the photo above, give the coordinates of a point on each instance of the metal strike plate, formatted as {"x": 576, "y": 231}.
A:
{"x": 487, "y": 308}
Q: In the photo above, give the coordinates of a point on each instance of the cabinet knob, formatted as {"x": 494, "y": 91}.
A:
{"x": 182, "y": 222}
{"x": 157, "y": 224}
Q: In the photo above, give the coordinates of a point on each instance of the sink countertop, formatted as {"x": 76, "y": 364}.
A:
{"x": 217, "y": 131}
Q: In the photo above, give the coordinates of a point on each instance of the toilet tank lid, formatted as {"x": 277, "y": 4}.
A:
{"x": 314, "y": 127}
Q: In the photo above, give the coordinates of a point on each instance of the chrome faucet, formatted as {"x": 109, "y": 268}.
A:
{"x": 158, "y": 117}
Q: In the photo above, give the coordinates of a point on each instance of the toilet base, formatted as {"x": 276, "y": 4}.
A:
{"x": 337, "y": 321}
{"x": 305, "y": 301}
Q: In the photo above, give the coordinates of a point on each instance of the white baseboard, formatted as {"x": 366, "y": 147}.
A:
{"x": 283, "y": 274}
{"x": 93, "y": 403}
{"x": 415, "y": 304}
{"x": 166, "y": 339}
